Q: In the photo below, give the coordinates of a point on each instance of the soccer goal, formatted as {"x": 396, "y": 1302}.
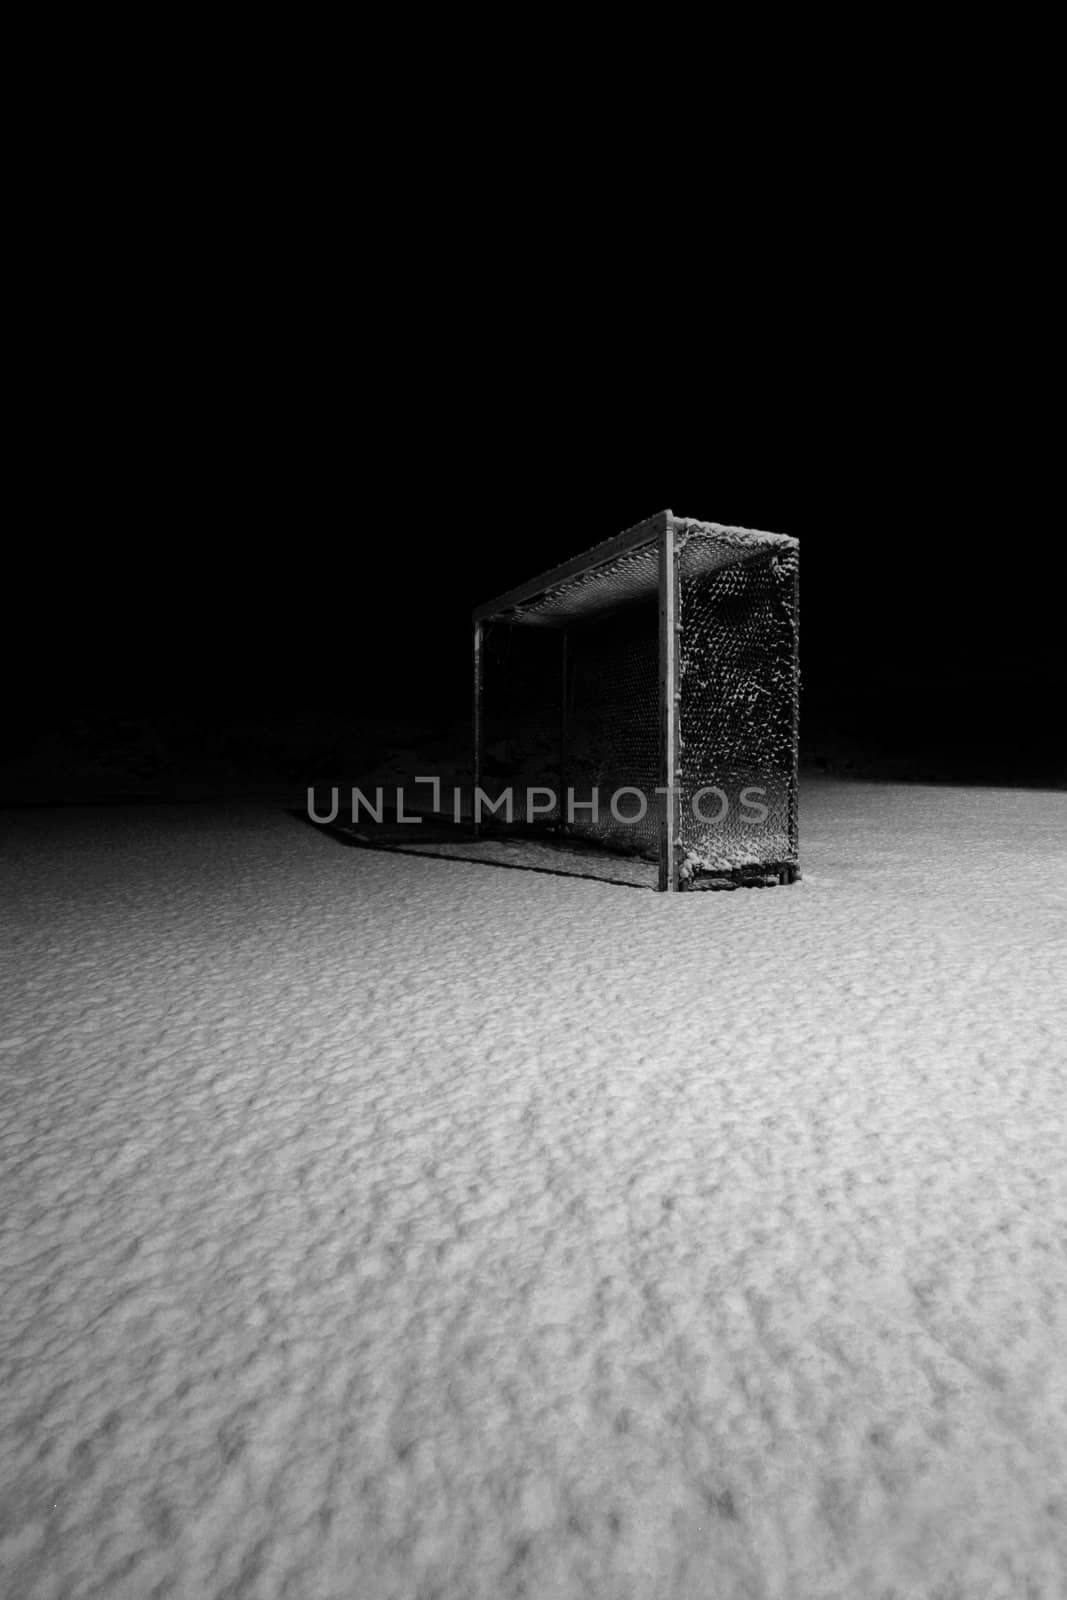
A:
{"x": 643, "y": 698}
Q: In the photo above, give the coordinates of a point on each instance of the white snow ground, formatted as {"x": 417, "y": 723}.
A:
{"x": 393, "y": 1228}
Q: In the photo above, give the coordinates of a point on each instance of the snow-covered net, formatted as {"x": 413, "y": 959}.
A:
{"x": 572, "y": 694}
{"x": 738, "y": 709}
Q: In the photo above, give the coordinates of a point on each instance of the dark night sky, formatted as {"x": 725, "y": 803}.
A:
{"x": 289, "y": 500}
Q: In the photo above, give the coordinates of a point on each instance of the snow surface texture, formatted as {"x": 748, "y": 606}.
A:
{"x": 393, "y": 1228}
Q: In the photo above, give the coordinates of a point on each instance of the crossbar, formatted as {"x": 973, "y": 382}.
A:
{"x": 646, "y": 532}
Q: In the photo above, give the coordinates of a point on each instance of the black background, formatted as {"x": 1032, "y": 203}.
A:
{"x": 279, "y": 449}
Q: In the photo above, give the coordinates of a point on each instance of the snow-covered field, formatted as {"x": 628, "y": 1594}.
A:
{"x": 393, "y": 1228}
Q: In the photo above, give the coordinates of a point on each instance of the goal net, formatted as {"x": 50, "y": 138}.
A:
{"x": 643, "y": 698}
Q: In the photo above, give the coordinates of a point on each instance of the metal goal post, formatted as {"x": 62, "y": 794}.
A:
{"x": 647, "y": 691}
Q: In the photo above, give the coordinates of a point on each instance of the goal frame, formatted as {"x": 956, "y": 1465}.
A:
{"x": 660, "y": 531}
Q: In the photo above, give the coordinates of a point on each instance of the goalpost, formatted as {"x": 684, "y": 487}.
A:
{"x": 644, "y": 697}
